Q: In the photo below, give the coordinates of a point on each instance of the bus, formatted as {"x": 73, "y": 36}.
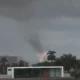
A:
{"x": 36, "y": 72}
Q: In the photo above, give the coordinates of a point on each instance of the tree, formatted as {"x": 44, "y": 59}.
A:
{"x": 26, "y": 64}
{"x": 23, "y": 63}
{"x": 75, "y": 73}
{"x": 3, "y": 62}
{"x": 67, "y": 60}
{"x": 58, "y": 62}
{"x": 77, "y": 65}
{"x": 5, "y": 68}
{"x": 14, "y": 64}
{"x": 44, "y": 64}
{"x": 51, "y": 56}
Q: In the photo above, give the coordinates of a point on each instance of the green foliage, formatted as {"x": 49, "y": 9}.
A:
{"x": 44, "y": 64}
{"x": 14, "y": 64}
{"x": 75, "y": 73}
{"x": 3, "y": 65}
{"x": 69, "y": 61}
{"x": 23, "y": 63}
{"x": 51, "y": 56}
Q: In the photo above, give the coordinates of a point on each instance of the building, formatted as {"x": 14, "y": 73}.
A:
{"x": 36, "y": 72}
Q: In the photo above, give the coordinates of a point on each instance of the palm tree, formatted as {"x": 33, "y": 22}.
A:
{"x": 51, "y": 56}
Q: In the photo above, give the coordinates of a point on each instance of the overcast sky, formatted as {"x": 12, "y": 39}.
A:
{"x": 57, "y": 23}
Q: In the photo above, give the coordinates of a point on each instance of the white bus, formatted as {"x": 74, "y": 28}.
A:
{"x": 35, "y": 72}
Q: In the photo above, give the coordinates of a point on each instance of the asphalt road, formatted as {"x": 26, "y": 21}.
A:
{"x": 68, "y": 78}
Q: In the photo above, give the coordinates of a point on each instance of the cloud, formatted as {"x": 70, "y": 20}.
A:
{"x": 28, "y": 9}
{"x": 57, "y": 23}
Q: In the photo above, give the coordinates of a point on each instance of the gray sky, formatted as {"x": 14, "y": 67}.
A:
{"x": 57, "y": 22}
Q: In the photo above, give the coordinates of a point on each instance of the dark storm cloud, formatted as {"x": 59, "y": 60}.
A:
{"x": 13, "y": 3}
{"x": 27, "y": 9}
{"x": 56, "y": 21}
{"x": 16, "y": 9}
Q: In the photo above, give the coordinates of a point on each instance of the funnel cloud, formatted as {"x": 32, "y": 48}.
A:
{"x": 34, "y": 41}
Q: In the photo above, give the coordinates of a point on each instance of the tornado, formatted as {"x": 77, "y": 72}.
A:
{"x": 35, "y": 42}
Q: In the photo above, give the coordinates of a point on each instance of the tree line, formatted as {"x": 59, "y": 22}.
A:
{"x": 4, "y": 63}
{"x": 68, "y": 61}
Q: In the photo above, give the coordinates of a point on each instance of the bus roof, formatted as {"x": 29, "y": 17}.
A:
{"x": 38, "y": 67}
